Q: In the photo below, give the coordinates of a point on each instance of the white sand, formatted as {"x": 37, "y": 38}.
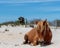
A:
{"x": 14, "y": 38}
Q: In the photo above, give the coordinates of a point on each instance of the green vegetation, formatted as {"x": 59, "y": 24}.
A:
{"x": 11, "y": 23}
{"x": 20, "y": 21}
{"x": 23, "y": 21}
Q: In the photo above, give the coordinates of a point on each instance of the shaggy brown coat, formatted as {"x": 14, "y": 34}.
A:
{"x": 32, "y": 37}
{"x": 41, "y": 33}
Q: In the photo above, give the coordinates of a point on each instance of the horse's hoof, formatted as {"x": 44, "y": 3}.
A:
{"x": 33, "y": 44}
{"x": 24, "y": 43}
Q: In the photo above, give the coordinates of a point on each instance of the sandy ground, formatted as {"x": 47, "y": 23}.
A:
{"x": 13, "y": 37}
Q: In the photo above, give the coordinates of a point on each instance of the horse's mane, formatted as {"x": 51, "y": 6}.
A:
{"x": 46, "y": 28}
{"x": 47, "y": 25}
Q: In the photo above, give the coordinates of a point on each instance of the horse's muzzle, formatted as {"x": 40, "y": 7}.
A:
{"x": 41, "y": 43}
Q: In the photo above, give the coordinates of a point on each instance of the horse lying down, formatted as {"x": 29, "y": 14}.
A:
{"x": 40, "y": 35}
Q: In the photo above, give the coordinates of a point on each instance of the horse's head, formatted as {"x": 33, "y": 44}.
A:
{"x": 41, "y": 27}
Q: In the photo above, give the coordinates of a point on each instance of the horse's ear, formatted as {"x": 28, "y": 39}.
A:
{"x": 44, "y": 22}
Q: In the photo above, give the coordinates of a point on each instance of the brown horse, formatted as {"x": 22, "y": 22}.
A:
{"x": 40, "y": 34}
{"x": 45, "y": 31}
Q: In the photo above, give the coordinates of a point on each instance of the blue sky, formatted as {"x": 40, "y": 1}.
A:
{"x": 10, "y": 10}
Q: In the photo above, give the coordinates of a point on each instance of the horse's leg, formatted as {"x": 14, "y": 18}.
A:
{"x": 25, "y": 42}
{"x": 26, "y": 39}
{"x": 34, "y": 43}
{"x": 47, "y": 43}
{"x": 29, "y": 42}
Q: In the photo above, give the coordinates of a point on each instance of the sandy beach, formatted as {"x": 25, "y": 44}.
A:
{"x": 13, "y": 37}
